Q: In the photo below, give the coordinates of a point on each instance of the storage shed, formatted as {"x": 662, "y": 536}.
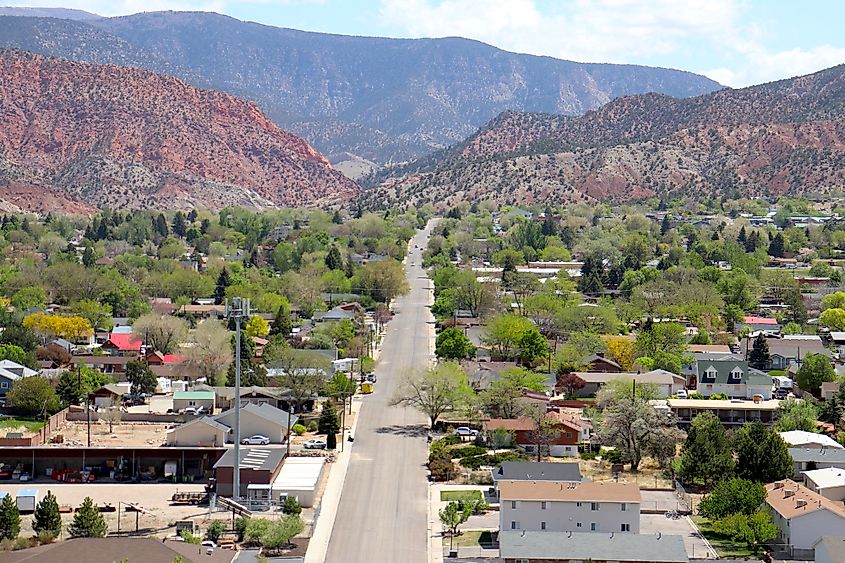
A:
{"x": 195, "y": 399}
{"x": 27, "y": 499}
{"x": 299, "y": 477}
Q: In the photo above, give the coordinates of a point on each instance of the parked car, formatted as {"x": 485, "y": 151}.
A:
{"x": 256, "y": 440}
{"x": 314, "y": 445}
{"x": 682, "y": 394}
{"x": 371, "y": 377}
{"x": 190, "y": 410}
{"x": 466, "y": 431}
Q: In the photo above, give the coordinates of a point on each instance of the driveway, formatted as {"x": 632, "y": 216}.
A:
{"x": 697, "y": 547}
{"x": 660, "y": 501}
{"x": 381, "y": 516}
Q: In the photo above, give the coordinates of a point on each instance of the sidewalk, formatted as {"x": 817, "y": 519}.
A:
{"x": 322, "y": 532}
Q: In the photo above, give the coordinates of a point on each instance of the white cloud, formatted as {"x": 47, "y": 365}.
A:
{"x": 620, "y": 31}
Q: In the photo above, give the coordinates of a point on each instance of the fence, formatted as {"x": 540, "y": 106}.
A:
{"x": 683, "y": 497}
{"x": 40, "y": 437}
{"x": 136, "y": 417}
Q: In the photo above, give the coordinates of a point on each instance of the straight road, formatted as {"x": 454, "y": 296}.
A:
{"x": 382, "y": 515}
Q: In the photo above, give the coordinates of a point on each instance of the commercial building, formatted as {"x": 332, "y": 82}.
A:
{"x": 576, "y": 547}
{"x": 300, "y": 478}
{"x": 258, "y": 465}
{"x": 555, "y": 506}
{"x": 731, "y": 413}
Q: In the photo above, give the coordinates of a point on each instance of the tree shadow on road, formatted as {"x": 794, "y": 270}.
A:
{"x": 408, "y": 430}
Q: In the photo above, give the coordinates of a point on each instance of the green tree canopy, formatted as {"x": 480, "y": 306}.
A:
{"x": 452, "y": 344}
{"x": 733, "y": 496}
{"x": 794, "y": 414}
{"x": 33, "y": 396}
{"x": 88, "y": 522}
{"x": 815, "y": 370}
{"x": 761, "y": 454}
{"x": 706, "y": 455}
{"x": 47, "y": 518}
{"x": 10, "y": 518}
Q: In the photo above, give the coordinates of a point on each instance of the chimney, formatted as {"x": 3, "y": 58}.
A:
{"x": 611, "y": 535}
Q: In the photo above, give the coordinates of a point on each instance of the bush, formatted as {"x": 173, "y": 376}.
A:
{"x": 441, "y": 469}
{"x": 291, "y": 506}
{"x": 587, "y": 455}
{"x": 24, "y": 543}
{"x": 240, "y": 527}
{"x": 696, "y": 396}
{"x": 449, "y": 440}
{"x": 189, "y": 537}
{"x": 612, "y": 456}
{"x": 299, "y": 429}
{"x": 467, "y": 451}
{"x": 475, "y": 462}
{"x": 214, "y": 531}
{"x": 312, "y": 425}
{"x": 719, "y": 397}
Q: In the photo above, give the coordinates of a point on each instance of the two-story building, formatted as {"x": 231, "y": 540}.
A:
{"x": 731, "y": 413}
{"x": 732, "y": 378}
{"x": 556, "y": 506}
{"x": 808, "y": 459}
{"x": 570, "y": 433}
{"x": 803, "y": 516}
{"x": 787, "y": 351}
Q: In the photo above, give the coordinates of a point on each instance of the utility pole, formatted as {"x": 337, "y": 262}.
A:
{"x": 236, "y": 312}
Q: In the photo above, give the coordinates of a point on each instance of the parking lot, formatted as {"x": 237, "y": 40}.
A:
{"x": 660, "y": 501}
{"x": 697, "y": 547}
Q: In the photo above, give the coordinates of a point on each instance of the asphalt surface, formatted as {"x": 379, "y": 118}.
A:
{"x": 382, "y": 515}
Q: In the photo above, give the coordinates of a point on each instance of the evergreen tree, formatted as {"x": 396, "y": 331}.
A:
{"x": 192, "y": 215}
{"x": 759, "y": 357}
{"x": 336, "y": 217}
{"x": 350, "y": 267}
{"x": 223, "y": 282}
{"x": 776, "y": 247}
{"x": 706, "y": 455}
{"x": 47, "y": 518}
{"x": 161, "y": 225}
{"x": 88, "y": 522}
{"x": 761, "y": 454}
{"x": 180, "y": 227}
{"x": 665, "y": 225}
{"x": 143, "y": 380}
{"x": 88, "y": 258}
{"x": 328, "y": 423}
{"x": 205, "y": 225}
{"x": 714, "y": 236}
{"x": 103, "y": 230}
{"x": 742, "y": 237}
{"x": 334, "y": 261}
{"x": 549, "y": 227}
{"x": 752, "y": 242}
{"x": 254, "y": 258}
{"x": 251, "y": 372}
{"x": 10, "y": 518}
{"x": 331, "y": 442}
{"x": 281, "y": 322}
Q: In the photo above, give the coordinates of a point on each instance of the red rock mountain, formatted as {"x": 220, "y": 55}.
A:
{"x": 78, "y": 136}
{"x": 786, "y": 137}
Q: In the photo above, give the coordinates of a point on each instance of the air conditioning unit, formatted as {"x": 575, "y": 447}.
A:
{"x": 788, "y": 493}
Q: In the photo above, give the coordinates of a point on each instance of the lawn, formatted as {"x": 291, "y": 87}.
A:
{"x": 724, "y": 546}
{"x": 471, "y": 539}
{"x": 20, "y": 424}
{"x": 448, "y": 496}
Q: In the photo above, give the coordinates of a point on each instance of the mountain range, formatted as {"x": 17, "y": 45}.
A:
{"x": 75, "y": 136}
{"x": 363, "y": 101}
{"x": 782, "y": 137}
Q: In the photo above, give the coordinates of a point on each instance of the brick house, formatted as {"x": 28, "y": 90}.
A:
{"x": 565, "y": 444}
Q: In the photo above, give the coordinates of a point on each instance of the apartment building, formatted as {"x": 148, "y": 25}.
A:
{"x": 558, "y": 506}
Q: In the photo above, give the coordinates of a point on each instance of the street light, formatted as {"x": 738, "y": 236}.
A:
{"x": 238, "y": 309}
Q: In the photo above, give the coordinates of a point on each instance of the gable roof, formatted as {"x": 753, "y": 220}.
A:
{"x": 793, "y": 500}
{"x": 210, "y": 421}
{"x": 656, "y": 376}
{"x": 791, "y": 346}
{"x": 108, "y": 550}
{"x": 265, "y": 411}
{"x": 523, "y": 423}
{"x": 124, "y": 342}
{"x": 17, "y": 369}
{"x": 537, "y": 471}
{"x": 583, "y": 546}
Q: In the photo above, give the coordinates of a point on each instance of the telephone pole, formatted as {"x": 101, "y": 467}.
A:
{"x": 236, "y": 311}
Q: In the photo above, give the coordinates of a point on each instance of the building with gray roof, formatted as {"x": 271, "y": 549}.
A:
{"x": 534, "y": 547}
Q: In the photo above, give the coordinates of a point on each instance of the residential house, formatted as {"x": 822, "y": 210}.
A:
{"x": 757, "y": 324}
{"x": 537, "y": 471}
{"x": 9, "y": 373}
{"x": 731, "y": 413}
{"x": 112, "y": 365}
{"x": 598, "y": 363}
{"x": 122, "y": 344}
{"x": 110, "y": 549}
{"x": 828, "y": 482}
{"x": 342, "y": 312}
{"x": 255, "y": 419}
{"x": 838, "y": 340}
{"x": 709, "y": 348}
{"x": 732, "y": 378}
{"x": 788, "y": 350}
{"x": 575, "y": 547}
{"x": 808, "y": 459}
{"x": 829, "y": 389}
{"x": 604, "y": 506}
{"x": 689, "y": 369}
{"x": 569, "y": 433}
{"x": 667, "y": 383}
{"x": 830, "y": 549}
{"x": 803, "y": 516}
{"x": 273, "y": 396}
{"x": 802, "y": 439}
{"x": 108, "y": 395}
{"x": 193, "y": 399}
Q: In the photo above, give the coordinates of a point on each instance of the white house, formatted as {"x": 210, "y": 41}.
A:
{"x": 802, "y": 439}
{"x": 802, "y": 515}
{"x": 733, "y": 378}
{"x": 558, "y": 506}
{"x": 828, "y": 482}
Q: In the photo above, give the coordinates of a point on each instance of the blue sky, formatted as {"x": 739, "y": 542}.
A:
{"x": 737, "y": 42}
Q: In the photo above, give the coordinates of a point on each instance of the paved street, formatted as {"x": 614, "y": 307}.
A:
{"x": 382, "y": 512}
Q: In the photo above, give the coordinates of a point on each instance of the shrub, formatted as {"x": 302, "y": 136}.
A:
{"x": 467, "y": 451}
{"x": 291, "y": 506}
{"x": 719, "y": 397}
{"x": 612, "y": 456}
{"x": 214, "y": 531}
{"x": 448, "y": 440}
{"x": 696, "y": 396}
{"x": 190, "y": 538}
{"x": 299, "y": 429}
{"x": 24, "y": 543}
{"x": 441, "y": 469}
{"x": 475, "y": 462}
{"x": 587, "y": 455}
{"x": 240, "y": 527}
{"x": 312, "y": 425}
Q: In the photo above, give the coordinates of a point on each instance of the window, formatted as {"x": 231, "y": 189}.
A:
{"x": 578, "y": 525}
{"x": 736, "y": 375}
{"x": 594, "y": 506}
{"x": 626, "y": 527}
{"x": 542, "y": 525}
{"x": 4, "y": 385}
{"x": 523, "y": 561}
{"x": 709, "y": 375}
{"x": 594, "y": 527}
{"x": 578, "y": 504}
{"x": 513, "y": 504}
{"x": 514, "y": 525}
{"x": 543, "y": 505}
{"x": 624, "y": 507}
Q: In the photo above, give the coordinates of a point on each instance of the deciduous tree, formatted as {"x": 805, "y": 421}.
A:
{"x": 162, "y": 333}
{"x": 33, "y": 396}
{"x": 434, "y": 391}
{"x": 452, "y": 344}
{"x": 815, "y": 369}
{"x": 141, "y": 378}
{"x": 733, "y": 496}
{"x": 794, "y": 414}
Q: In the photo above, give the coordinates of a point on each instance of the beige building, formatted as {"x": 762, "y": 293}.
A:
{"x": 802, "y": 515}
{"x": 199, "y": 432}
{"x": 260, "y": 419}
{"x": 558, "y": 506}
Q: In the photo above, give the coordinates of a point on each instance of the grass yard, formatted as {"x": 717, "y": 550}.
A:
{"x": 20, "y": 424}
{"x": 725, "y": 546}
{"x": 449, "y": 496}
{"x": 471, "y": 539}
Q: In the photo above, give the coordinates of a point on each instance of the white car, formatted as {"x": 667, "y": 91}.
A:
{"x": 191, "y": 411}
{"x": 466, "y": 431}
{"x": 314, "y": 445}
{"x": 257, "y": 440}
{"x": 682, "y": 394}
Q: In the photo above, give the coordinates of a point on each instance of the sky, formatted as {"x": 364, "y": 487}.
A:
{"x": 735, "y": 42}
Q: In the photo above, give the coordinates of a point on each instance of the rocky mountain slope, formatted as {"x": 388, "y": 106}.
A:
{"x": 102, "y": 135}
{"x": 783, "y": 137}
{"x": 381, "y": 100}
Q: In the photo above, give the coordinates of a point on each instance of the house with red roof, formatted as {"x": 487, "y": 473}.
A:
{"x": 565, "y": 444}
{"x": 122, "y": 344}
{"x": 756, "y": 324}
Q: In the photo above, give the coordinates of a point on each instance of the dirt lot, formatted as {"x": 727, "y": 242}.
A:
{"x": 697, "y": 547}
{"x": 650, "y": 475}
{"x": 123, "y": 434}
